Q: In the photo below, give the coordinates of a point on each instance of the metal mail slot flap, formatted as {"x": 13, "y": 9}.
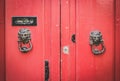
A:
{"x": 24, "y": 21}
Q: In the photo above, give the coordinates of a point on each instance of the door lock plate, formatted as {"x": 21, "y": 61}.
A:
{"x": 66, "y": 49}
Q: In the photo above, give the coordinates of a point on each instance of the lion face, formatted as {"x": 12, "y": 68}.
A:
{"x": 95, "y": 38}
{"x": 24, "y": 35}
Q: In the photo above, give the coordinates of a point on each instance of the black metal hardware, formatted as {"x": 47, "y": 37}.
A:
{"x": 96, "y": 40}
{"x": 73, "y": 38}
{"x": 46, "y": 70}
{"x": 24, "y": 21}
{"x": 24, "y": 40}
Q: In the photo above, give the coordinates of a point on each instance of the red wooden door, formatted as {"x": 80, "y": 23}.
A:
{"x": 45, "y": 38}
{"x": 57, "y": 22}
{"x": 80, "y": 17}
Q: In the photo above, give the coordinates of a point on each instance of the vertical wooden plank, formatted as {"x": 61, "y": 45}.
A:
{"x": 117, "y": 40}
{"x": 2, "y": 39}
{"x": 47, "y": 34}
{"x": 67, "y": 30}
{"x": 65, "y": 35}
{"x": 95, "y": 15}
{"x": 55, "y": 40}
{"x": 84, "y": 61}
{"x": 47, "y": 28}
{"x": 72, "y": 31}
{"x": 52, "y": 37}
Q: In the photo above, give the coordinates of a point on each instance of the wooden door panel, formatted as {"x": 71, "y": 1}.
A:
{"x": 44, "y": 37}
{"x": 94, "y": 15}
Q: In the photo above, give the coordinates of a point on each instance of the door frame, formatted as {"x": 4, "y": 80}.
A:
{"x": 117, "y": 43}
{"x": 117, "y": 39}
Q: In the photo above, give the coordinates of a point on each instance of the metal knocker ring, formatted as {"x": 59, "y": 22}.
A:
{"x": 24, "y": 40}
{"x": 95, "y": 42}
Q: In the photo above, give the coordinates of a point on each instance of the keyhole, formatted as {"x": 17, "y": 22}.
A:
{"x": 73, "y": 38}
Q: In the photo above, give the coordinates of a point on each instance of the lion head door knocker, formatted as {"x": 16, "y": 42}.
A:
{"x": 24, "y": 40}
{"x": 97, "y": 43}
